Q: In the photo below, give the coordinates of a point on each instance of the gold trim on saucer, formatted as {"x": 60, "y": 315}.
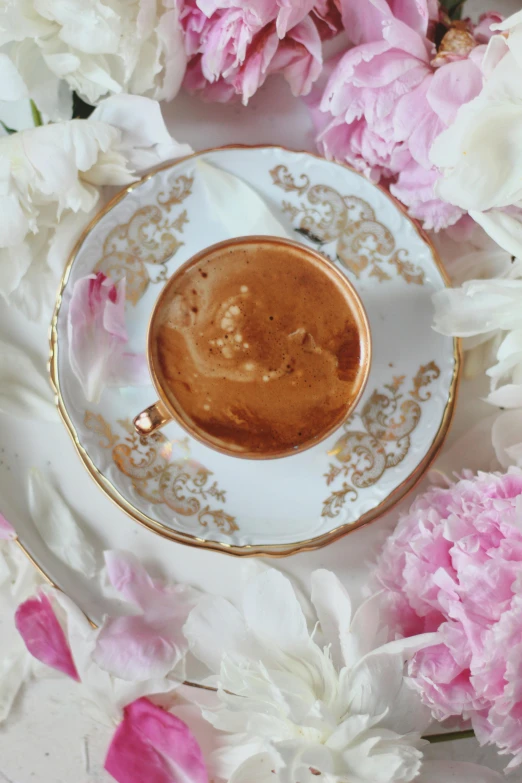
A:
{"x": 272, "y": 550}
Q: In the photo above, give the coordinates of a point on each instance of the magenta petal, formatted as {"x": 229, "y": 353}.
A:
{"x": 155, "y": 746}
{"x": 7, "y": 531}
{"x": 114, "y": 313}
{"x": 43, "y": 635}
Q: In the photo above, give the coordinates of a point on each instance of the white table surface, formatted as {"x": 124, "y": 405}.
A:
{"x": 49, "y": 737}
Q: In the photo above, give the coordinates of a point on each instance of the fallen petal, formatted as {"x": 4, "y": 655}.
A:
{"x": 58, "y": 527}
{"x": 155, "y": 746}
{"x": 7, "y": 531}
{"x": 43, "y": 635}
{"x": 96, "y": 331}
{"x": 24, "y": 390}
{"x": 14, "y": 670}
{"x": 250, "y": 215}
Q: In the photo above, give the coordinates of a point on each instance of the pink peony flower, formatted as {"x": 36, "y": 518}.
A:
{"x": 97, "y": 337}
{"x": 233, "y": 47}
{"x": 454, "y": 563}
{"x": 390, "y": 96}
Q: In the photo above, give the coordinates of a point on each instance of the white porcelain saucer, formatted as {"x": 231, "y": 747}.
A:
{"x": 187, "y": 492}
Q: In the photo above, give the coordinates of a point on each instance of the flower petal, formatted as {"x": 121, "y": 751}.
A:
{"x": 24, "y": 391}
{"x": 145, "y": 139}
{"x": 58, "y": 527}
{"x": 96, "y": 331}
{"x": 130, "y": 369}
{"x": 506, "y": 436}
{"x": 12, "y": 86}
{"x": 377, "y": 680}
{"x": 14, "y": 671}
{"x": 133, "y": 649}
{"x": 250, "y": 216}
{"x": 334, "y": 611}
{"x": 508, "y": 396}
{"x": 149, "y": 645}
{"x": 44, "y": 636}
{"x": 215, "y": 628}
{"x": 282, "y": 623}
{"x": 155, "y": 746}
{"x": 7, "y": 531}
{"x": 505, "y": 229}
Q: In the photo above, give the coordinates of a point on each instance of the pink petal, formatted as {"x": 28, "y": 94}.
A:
{"x": 129, "y": 577}
{"x": 96, "y": 331}
{"x": 130, "y": 369}
{"x": 152, "y": 643}
{"x": 43, "y": 635}
{"x": 114, "y": 313}
{"x": 154, "y": 746}
{"x": 7, "y": 531}
{"x": 132, "y": 649}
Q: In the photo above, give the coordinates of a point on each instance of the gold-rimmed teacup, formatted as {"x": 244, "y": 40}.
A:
{"x": 259, "y": 347}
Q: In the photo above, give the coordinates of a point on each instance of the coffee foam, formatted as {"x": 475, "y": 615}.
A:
{"x": 258, "y": 348}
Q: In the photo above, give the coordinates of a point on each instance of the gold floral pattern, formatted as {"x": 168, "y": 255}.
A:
{"x": 163, "y": 473}
{"x": 388, "y": 418}
{"x": 364, "y": 244}
{"x": 148, "y": 239}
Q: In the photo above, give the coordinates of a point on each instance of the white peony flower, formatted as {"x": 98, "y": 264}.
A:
{"x": 480, "y": 154}
{"x": 489, "y": 311}
{"x": 49, "y": 178}
{"x": 328, "y": 703}
{"x": 98, "y": 47}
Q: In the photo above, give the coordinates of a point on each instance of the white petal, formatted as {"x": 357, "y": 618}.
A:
{"x": 249, "y": 214}
{"x": 50, "y": 93}
{"x": 24, "y": 391}
{"x": 506, "y": 436}
{"x": 58, "y": 527}
{"x": 170, "y": 36}
{"x": 35, "y": 292}
{"x": 366, "y": 630}
{"x": 12, "y": 86}
{"x": 258, "y": 768}
{"x": 145, "y": 139}
{"x": 334, "y": 611}
{"x": 14, "y": 671}
{"x": 478, "y": 307}
{"x": 215, "y": 627}
{"x": 375, "y": 682}
{"x": 508, "y": 396}
{"x": 457, "y": 772}
{"x": 63, "y": 240}
{"x": 273, "y": 613}
{"x": 505, "y": 229}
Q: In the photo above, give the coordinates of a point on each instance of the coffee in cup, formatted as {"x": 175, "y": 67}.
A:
{"x": 259, "y": 347}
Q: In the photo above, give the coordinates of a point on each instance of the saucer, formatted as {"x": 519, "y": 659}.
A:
{"x": 189, "y": 493}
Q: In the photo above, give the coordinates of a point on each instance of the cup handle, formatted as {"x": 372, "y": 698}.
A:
{"x": 152, "y": 418}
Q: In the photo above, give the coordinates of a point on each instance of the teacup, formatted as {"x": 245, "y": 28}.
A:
{"x": 259, "y": 347}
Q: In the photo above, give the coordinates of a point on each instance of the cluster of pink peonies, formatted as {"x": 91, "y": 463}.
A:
{"x": 233, "y": 46}
{"x": 396, "y": 90}
{"x": 454, "y": 563}
{"x": 400, "y": 85}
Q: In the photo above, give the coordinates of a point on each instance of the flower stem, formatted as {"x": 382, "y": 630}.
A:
{"x": 37, "y": 117}
{"x": 450, "y": 736}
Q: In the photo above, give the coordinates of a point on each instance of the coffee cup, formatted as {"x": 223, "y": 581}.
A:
{"x": 259, "y": 347}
